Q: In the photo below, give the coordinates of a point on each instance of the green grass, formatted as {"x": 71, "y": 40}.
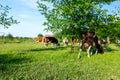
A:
{"x": 29, "y": 61}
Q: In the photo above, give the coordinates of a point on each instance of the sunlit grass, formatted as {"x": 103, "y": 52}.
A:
{"x": 30, "y": 61}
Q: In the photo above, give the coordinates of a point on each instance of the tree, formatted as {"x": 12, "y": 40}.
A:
{"x": 40, "y": 35}
{"x": 72, "y": 17}
{"x": 112, "y": 29}
{"x": 4, "y": 19}
{"x": 9, "y": 36}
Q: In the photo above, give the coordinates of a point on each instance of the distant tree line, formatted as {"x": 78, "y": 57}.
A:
{"x": 9, "y": 38}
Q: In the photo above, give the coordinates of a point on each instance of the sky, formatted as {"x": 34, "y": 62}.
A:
{"x": 31, "y": 21}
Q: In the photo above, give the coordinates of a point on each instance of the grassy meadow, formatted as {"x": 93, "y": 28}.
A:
{"x": 31, "y": 61}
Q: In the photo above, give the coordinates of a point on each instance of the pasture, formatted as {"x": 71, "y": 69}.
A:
{"x": 30, "y": 61}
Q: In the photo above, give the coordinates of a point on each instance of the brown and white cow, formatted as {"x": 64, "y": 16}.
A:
{"x": 39, "y": 39}
{"x": 65, "y": 41}
{"x": 103, "y": 42}
{"x": 74, "y": 41}
{"x": 88, "y": 40}
{"x": 117, "y": 42}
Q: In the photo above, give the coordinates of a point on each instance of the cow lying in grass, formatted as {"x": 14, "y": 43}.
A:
{"x": 89, "y": 39}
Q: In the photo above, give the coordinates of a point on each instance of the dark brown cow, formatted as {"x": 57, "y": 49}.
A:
{"x": 49, "y": 38}
{"x": 88, "y": 40}
{"x": 52, "y": 40}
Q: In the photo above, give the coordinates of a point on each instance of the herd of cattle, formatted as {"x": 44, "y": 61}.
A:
{"x": 89, "y": 40}
{"x": 48, "y": 39}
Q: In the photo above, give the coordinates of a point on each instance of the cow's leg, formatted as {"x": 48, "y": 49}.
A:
{"x": 54, "y": 45}
{"x": 79, "y": 53}
{"x": 37, "y": 41}
{"x": 46, "y": 45}
{"x": 91, "y": 51}
{"x": 96, "y": 52}
{"x": 80, "y": 50}
{"x": 88, "y": 51}
{"x": 72, "y": 47}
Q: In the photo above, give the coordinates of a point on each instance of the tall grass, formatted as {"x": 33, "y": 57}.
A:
{"x": 30, "y": 61}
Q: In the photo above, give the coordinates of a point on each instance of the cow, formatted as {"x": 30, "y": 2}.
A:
{"x": 89, "y": 39}
{"x": 52, "y": 40}
{"x": 102, "y": 42}
{"x": 39, "y": 39}
{"x": 75, "y": 40}
{"x": 65, "y": 41}
{"x": 117, "y": 42}
{"x": 48, "y": 38}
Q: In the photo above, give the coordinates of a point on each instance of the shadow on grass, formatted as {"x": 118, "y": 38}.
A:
{"x": 6, "y": 60}
{"x": 47, "y": 49}
{"x": 108, "y": 49}
{"x": 105, "y": 49}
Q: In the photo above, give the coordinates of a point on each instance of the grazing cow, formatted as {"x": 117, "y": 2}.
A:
{"x": 48, "y": 38}
{"x": 74, "y": 40}
{"x": 39, "y": 39}
{"x": 52, "y": 40}
{"x": 102, "y": 42}
{"x": 117, "y": 42}
{"x": 89, "y": 39}
{"x": 65, "y": 42}
{"x": 108, "y": 40}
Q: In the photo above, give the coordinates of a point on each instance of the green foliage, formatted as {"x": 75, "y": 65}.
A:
{"x": 28, "y": 61}
{"x": 5, "y": 20}
{"x": 72, "y": 17}
{"x": 112, "y": 30}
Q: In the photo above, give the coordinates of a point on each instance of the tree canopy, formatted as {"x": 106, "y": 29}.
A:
{"x": 40, "y": 35}
{"x": 72, "y": 17}
{"x": 5, "y": 20}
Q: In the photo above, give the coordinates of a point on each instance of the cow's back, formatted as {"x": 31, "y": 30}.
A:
{"x": 52, "y": 40}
